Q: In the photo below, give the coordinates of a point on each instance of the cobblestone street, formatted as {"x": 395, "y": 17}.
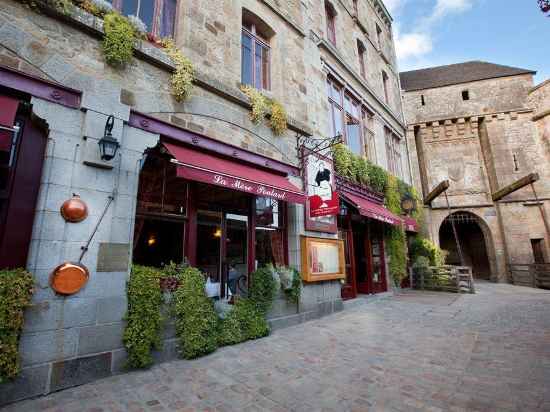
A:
{"x": 414, "y": 351}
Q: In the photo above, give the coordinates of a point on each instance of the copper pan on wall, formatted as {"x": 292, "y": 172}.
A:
{"x": 68, "y": 278}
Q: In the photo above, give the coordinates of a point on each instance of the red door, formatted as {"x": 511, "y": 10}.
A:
{"x": 349, "y": 289}
{"x": 21, "y": 159}
{"x": 377, "y": 272}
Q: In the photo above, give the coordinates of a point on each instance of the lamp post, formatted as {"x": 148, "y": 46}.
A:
{"x": 108, "y": 145}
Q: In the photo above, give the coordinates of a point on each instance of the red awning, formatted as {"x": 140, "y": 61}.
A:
{"x": 8, "y": 109}
{"x": 411, "y": 225}
{"x": 370, "y": 209}
{"x": 215, "y": 170}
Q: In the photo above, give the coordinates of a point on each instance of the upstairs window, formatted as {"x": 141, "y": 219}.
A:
{"x": 355, "y": 8}
{"x": 159, "y": 16}
{"x": 379, "y": 36}
{"x": 422, "y": 100}
{"x": 255, "y": 52}
{"x": 331, "y": 22}
{"x": 386, "y": 86}
{"x": 361, "y": 53}
{"x": 369, "y": 136}
{"x": 465, "y": 95}
{"x": 393, "y": 153}
{"x": 354, "y": 140}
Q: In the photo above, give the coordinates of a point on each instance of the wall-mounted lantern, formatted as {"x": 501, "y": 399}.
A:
{"x": 108, "y": 145}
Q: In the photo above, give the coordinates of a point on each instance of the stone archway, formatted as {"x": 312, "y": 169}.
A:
{"x": 476, "y": 242}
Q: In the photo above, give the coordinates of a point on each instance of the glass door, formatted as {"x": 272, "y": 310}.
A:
{"x": 222, "y": 252}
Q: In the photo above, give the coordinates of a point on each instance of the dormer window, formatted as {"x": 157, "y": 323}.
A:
{"x": 255, "y": 51}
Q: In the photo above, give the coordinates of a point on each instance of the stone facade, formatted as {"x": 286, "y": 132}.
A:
{"x": 72, "y": 340}
{"x": 483, "y": 144}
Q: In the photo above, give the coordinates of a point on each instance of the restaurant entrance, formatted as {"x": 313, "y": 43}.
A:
{"x": 364, "y": 253}
{"x": 226, "y": 233}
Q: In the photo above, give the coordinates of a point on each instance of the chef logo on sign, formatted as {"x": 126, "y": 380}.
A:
{"x": 323, "y": 200}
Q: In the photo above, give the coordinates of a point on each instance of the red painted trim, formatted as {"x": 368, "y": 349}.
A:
{"x": 44, "y": 89}
{"x": 190, "y": 244}
{"x": 200, "y": 142}
{"x": 251, "y": 238}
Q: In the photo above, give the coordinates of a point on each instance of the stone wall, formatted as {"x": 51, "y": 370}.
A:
{"x": 481, "y": 145}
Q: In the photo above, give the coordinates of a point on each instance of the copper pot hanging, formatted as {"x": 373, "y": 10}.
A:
{"x": 74, "y": 210}
{"x": 68, "y": 278}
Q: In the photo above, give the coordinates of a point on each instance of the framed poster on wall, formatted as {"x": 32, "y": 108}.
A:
{"x": 322, "y": 203}
{"x": 322, "y": 259}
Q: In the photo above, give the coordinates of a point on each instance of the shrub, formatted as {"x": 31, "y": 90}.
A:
{"x": 243, "y": 322}
{"x": 260, "y": 104}
{"x": 378, "y": 178}
{"x": 342, "y": 160}
{"x": 422, "y": 247}
{"x": 144, "y": 320}
{"x": 291, "y": 283}
{"x": 196, "y": 318}
{"x": 16, "y": 289}
{"x": 184, "y": 75}
{"x": 278, "y": 120}
{"x": 118, "y": 43}
{"x": 262, "y": 289}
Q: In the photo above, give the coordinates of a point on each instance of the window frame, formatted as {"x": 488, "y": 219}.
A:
{"x": 385, "y": 85}
{"x": 330, "y": 15}
{"x": 361, "y": 51}
{"x": 345, "y": 115}
{"x": 257, "y": 40}
{"x": 394, "y": 153}
{"x": 154, "y": 33}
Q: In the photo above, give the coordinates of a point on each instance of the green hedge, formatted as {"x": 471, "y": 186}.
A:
{"x": 144, "y": 320}
{"x": 196, "y": 318}
{"x": 16, "y": 289}
{"x": 421, "y": 247}
{"x": 262, "y": 289}
{"x": 243, "y": 322}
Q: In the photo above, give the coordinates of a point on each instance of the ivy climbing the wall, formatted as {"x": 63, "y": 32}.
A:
{"x": 143, "y": 319}
{"x": 396, "y": 240}
{"x": 16, "y": 289}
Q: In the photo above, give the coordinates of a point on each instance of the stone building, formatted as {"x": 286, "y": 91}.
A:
{"x": 482, "y": 126}
{"x": 165, "y": 195}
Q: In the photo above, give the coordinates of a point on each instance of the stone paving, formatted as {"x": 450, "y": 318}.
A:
{"x": 416, "y": 351}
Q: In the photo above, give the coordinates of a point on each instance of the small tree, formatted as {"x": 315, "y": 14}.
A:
{"x": 544, "y": 6}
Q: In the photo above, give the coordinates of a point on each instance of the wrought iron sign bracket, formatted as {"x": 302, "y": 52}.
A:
{"x": 315, "y": 145}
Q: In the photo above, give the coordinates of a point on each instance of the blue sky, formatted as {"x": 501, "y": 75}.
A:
{"x": 437, "y": 32}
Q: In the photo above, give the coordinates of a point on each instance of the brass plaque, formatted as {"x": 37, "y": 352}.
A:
{"x": 113, "y": 257}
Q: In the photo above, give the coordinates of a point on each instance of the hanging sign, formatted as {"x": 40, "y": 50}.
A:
{"x": 322, "y": 196}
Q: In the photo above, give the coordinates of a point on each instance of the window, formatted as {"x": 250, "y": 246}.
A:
{"x": 344, "y": 117}
{"x": 538, "y": 250}
{"x": 393, "y": 153}
{"x": 355, "y": 8}
{"x": 336, "y": 111}
{"x": 361, "y": 53}
{"x": 385, "y": 85}
{"x": 255, "y": 52}
{"x": 422, "y": 100}
{"x": 516, "y": 162}
{"x": 270, "y": 232}
{"x": 379, "y": 36}
{"x": 158, "y": 15}
{"x": 369, "y": 136}
{"x": 465, "y": 95}
{"x": 331, "y": 22}
{"x": 354, "y": 139}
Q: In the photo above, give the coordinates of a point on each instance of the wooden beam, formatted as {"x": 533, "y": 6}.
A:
{"x": 518, "y": 184}
{"x": 440, "y": 188}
